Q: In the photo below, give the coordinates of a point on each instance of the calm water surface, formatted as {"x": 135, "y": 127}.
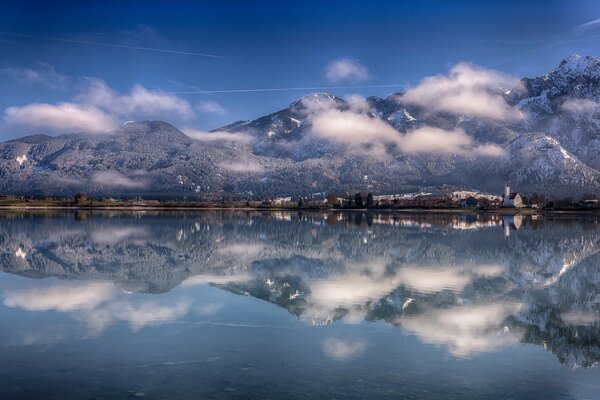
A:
{"x": 299, "y": 306}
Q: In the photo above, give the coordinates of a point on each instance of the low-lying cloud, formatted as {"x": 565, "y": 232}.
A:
{"x": 466, "y": 89}
{"x": 117, "y": 180}
{"x": 581, "y": 106}
{"x": 367, "y": 135}
{"x": 203, "y": 136}
{"x": 242, "y": 167}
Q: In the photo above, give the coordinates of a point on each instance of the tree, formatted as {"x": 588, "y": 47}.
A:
{"x": 300, "y": 202}
{"x": 370, "y": 200}
{"x": 81, "y": 198}
{"x": 358, "y": 200}
{"x": 332, "y": 199}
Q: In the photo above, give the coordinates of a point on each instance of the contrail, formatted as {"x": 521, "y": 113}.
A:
{"x": 118, "y": 46}
{"x": 287, "y": 89}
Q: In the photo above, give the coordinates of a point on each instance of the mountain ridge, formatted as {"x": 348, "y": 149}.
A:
{"x": 554, "y": 149}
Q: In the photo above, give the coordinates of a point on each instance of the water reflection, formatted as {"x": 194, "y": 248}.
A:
{"x": 470, "y": 284}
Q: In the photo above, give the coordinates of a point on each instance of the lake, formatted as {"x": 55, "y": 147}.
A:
{"x": 298, "y": 305}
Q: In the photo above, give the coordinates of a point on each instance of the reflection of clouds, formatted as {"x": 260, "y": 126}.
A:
{"x": 137, "y": 315}
{"x": 366, "y": 282}
{"x": 349, "y": 290}
{"x": 343, "y": 350}
{"x": 113, "y": 235}
{"x": 45, "y": 336}
{"x": 97, "y": 304}
{"x": 361, "y": 283}
{"x": 216, "y": 279}
{"x": 581, "y": 318}
{"x": 209, "y": 309}
{"x": 429, "y": 280}
{"x": 61, "y": 297}
{"x": 465, "y": 331}
{"x": 247, "y": 249}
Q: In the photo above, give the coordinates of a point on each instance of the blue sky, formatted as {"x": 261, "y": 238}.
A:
{"x": 127, "y": 56}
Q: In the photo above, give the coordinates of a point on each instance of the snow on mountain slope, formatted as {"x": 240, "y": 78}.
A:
{"x": 555, "y": 149}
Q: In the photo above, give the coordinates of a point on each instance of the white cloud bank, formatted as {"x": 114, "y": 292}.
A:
{"x": 203, "y": 136}
{"x": 581, "y": 106}
{"x": 365, "y": 135}
{"x": 467, "y": 89}
{"x": 117, "y": 180}
{"x": 346, "y": 69}
{"x": 465, "y": 331}
{"x": 60, "y": 117}
{"x": 98, "y": 109}
{"x": 242, "y": 167}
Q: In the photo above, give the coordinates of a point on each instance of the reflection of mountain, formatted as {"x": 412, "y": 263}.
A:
{"x": 452, "y": 280}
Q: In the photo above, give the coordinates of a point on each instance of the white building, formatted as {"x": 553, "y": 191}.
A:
{"x": 511, "y": 200}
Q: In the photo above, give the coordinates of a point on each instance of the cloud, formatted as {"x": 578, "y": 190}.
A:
{"x": 365, "y": 135}
{"x": 343, "y": 350}
{"x": 357, "y": 103}
{"x": 358, "y": 132}
{"x": 113, "y": 235}
{"x": 136, "y": 314}
{"x": 98, "y": 109}
{"x": 98, "y": 305}
{"x": 203, "y": 136}
{"x": 580, "y": 318}
{"x": 467, "y": 89}
{"x": 63, "y": 297}
{"x": 210, "y": 107}
{"x": 465, "y": 331}
{"x": 60, "y": 117}
{"x": 579, "y": 29}
{"x": 316, "y": 103}
{"x": 363, "y": 282}
{"x": 242, "y": 167}
{"x": 139, "y": 101}
{"x": 346, "y": 69}
{"x": 435, "y": 140}
{"x": 242, "y": 249}
{"x": 488, "y": 150}
{"x": 581, "y": 106}
{"x": 432, "y": 280}
{"x": 209, "y": 309}
{"x": 44, "y": 75}
{"x": 116, "y": 179}
{"x": 216, "y": 279}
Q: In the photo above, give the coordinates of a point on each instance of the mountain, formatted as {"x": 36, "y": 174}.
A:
{"x": 554, "y": 149}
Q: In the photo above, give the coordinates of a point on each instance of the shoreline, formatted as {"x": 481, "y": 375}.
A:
{"x": 413, "y": 210}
